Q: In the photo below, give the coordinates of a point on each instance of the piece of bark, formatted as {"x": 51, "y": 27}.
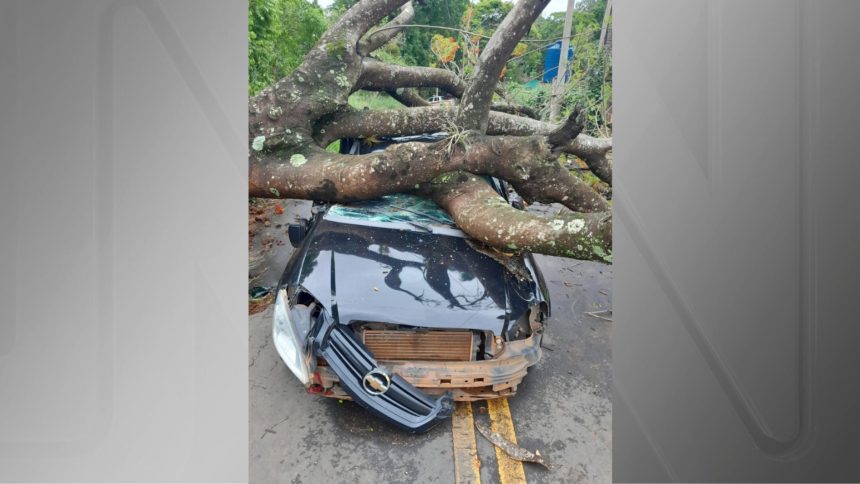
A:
{"x": 510, "y": 448}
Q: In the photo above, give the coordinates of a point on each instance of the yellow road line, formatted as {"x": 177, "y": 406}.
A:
{"x": 510, "y": 470}
{"x": 467, "y": 467}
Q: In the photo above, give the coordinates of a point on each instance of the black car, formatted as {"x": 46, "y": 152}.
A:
{"x": 386, "y": 302}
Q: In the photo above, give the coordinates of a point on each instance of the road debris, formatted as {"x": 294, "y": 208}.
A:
{"x": 600, "y": 314}
{"x": 513, "y": 450}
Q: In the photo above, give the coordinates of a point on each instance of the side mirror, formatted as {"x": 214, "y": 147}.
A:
{"x": 297, "y": 232}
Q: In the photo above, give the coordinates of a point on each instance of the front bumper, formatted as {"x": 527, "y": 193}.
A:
{"x": 464, "y": 380}
{"x": 400, "y": 403}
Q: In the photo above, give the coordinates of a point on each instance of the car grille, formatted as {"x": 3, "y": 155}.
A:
{"x": 420, "y": 345}
{"x": 402, "y": 404}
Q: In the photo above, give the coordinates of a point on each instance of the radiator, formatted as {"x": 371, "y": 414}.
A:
{"x": 420, "y": 345}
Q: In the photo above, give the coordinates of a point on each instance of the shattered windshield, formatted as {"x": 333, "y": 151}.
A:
{"x": 412, "y": 210}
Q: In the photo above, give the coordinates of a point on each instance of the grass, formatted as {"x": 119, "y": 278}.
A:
{"x": 370, "y": 100}
{"x": 373, "y": 100}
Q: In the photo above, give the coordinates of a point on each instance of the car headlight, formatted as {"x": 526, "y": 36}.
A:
{"x": 290, "y": 345}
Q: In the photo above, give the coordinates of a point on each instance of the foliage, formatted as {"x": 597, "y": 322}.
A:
{"x": 460, "y": 53}
{"x": 390, "y": 53}
{"x": 280, "y": 33}
{"x": 490, "y": 13}
{"x": 590, "y": 84}
{"x": 591, "y": 89}
{"x": 444, "y": 48}
{"x": 415, "y": 48}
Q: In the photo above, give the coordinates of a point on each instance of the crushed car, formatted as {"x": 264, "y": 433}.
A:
{"x": 387, "y": 303}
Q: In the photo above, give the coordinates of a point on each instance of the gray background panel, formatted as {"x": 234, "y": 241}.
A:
{"x": 736, "y": 235}
{"x": 123, "y": 347}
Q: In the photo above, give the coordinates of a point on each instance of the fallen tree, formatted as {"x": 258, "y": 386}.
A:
{"x": 291, "y": 123}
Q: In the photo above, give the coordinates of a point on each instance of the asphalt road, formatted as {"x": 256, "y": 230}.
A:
{"x": 562, "y": 408}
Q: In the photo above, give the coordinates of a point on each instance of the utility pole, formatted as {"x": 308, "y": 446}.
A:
{"x": 561, "y": 72}
{"x": 603, "y": 29}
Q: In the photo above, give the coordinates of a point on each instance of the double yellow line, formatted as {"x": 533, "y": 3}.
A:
{"x": 467, "y": 467}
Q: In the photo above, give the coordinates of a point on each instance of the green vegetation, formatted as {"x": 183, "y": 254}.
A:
{"x": 281, "y": 32}
{"x": 416, "y": 41}
{"x": 590, "y": 84}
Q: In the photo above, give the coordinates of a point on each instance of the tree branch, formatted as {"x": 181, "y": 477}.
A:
{"x": 379, "y": 76}
{"x": 514, "y": 109}
{"x": 480, "y": 212}
{"x": 380, "y": 37}
{"x": 389, "y": 122}
{"x": 282, "y": 115}
{"x": 476, "y": 100}
{"x": 595, "y": 152}
{"x": 360, "y": 18}
{"x": 526, "y": 162}
{"x": 408, "y": 97}
{"x": 567, "y": 131}
{"x": 418, "y": 120}
{"x": 404, "y": 122}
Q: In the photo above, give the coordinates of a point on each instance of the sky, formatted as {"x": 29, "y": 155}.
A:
{"x": 554, "y": 6}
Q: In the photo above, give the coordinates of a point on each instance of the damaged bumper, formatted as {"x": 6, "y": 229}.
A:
{"x": 462, "y": 380}
{"x": 384, "y": 393}
{"x": 415, "y": 395}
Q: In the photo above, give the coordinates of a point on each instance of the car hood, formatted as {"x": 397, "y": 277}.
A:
{"x": 379, "y": 274}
